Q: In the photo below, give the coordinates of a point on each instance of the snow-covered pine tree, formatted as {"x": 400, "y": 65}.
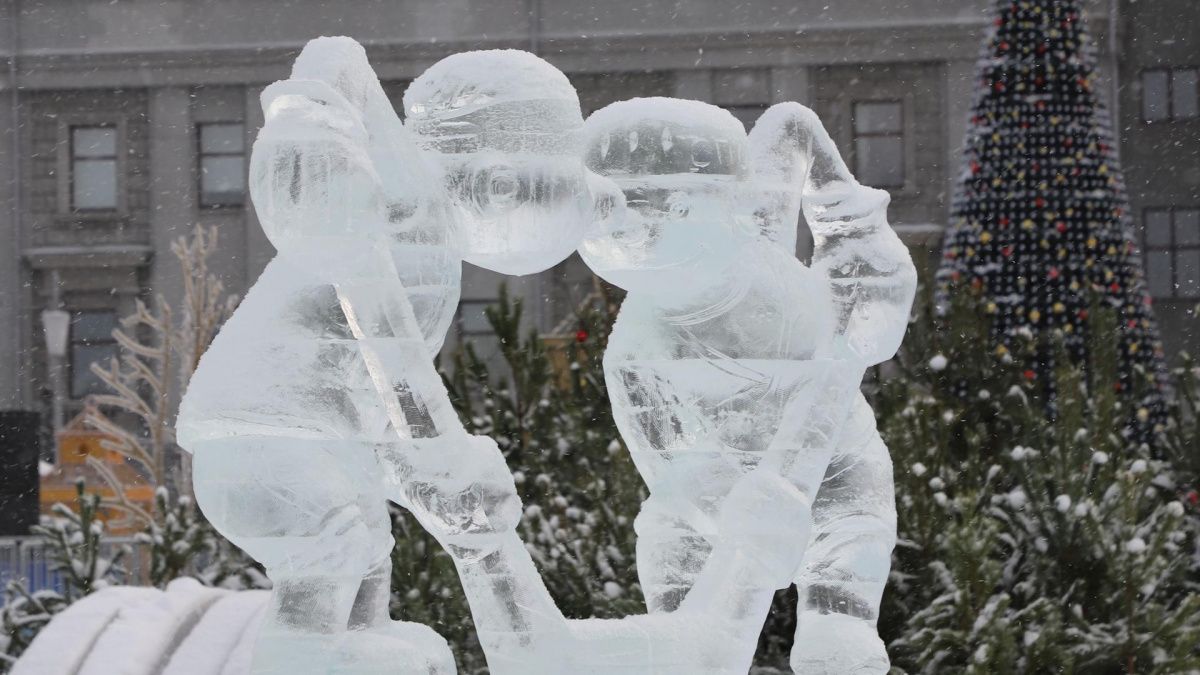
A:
{"x": 1028, "y": 544}
{"x": 75, "y": 550}
{"x": 24, "y": 614}
{"x": 75, "y": 546}
{"x": 1040, "y": 223}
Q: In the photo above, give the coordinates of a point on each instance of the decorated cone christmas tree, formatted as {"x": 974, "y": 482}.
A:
{"x": 1039, "y": 226}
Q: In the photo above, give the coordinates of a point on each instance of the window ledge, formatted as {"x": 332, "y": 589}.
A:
{"x": 220, "y": 208}
{"x": 109, "y": 255}
{"x": 79, "y": 217}
{"x": 1172, "y": 121}
{"x": 919, "y": 234}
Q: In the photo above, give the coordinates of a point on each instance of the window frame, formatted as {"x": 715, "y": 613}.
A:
{"x": 902, "y": 134}
{"x": 1169, "y": 98}
{"x": 76, "y": 160}
{"x": 73, "y": 342}
{"x": 1171, "y": 249}
{"x": 201, "y": 155}
{"x": 64, "y": 172}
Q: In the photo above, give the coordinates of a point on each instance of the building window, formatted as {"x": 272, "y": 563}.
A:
{"x": 91, "y": 342}
{"x": 94, "y": 168}
{"x": 472, "y": 317}
{"x": 1171, "y": 245}
{"x": 222, "y": 164}
{"x": 1170, "y": 94}
{"x": 879, "y": 143}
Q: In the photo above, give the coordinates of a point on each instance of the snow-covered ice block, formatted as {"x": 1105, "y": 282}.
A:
{"x": 222, "y": 637}
{"x": 143, "y": 635}
{"x": 64, "y": 644}
{"x": 188, "y": 629}
{"x": 239, "y": 659}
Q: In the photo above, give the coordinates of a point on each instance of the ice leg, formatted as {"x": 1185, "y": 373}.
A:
{"x": 376, "y": 642}
{"x": 846, "y": 567}
{"x": 670, "y": 553}
{"x": 374, "y": 593}
{"x": 312, "y": 511}
{"x": 301, "y": 630}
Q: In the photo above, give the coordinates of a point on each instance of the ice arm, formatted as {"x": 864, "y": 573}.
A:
{"x": 318, "y": 196}
{"x": 458, "y": 486}
{"x": 518, "y": 623}
{"x": 869, "y": 269}
{"x": 763, "y": 528}
{"x": 313, "y": 169}
{"x": 764, "y": 524}
{"x": 381, "y": 318}
{"x": 470, "y": 505}
{"x": 764, "y": 531}
{"x": 766, "y": 519}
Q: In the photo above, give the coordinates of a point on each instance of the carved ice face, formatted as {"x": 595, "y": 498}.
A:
{"x": 505, "y": 126}
{"x": 681, "y": 166}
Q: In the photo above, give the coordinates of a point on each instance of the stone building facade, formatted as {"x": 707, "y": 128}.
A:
{"x": 127, "y": 123}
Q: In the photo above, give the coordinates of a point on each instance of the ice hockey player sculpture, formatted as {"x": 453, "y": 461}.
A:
{"x": 730, "y": 357}
{"x": 734, "y": 368}
{"x": 318, "y": 400}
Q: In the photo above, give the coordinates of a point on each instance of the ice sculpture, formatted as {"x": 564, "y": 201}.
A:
{"x": 730, "y": 357}
{"x": 733, "y": 366}
{"x": 318, "y": 400}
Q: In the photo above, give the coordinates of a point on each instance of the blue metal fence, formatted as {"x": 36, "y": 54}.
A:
{"x": 25, "y": 559}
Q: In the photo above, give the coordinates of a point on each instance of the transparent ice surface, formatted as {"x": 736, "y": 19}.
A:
{"x": 733, "y": 367}
{"x": 506, "y": 127}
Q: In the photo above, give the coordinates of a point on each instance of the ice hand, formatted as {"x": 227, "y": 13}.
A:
{"x": 460, "y": 489}
{"x": 845, "y": 209}
{"x": 769, "y": 521}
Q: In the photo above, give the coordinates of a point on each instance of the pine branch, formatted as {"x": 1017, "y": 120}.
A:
{"x": 120, "y": 498}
